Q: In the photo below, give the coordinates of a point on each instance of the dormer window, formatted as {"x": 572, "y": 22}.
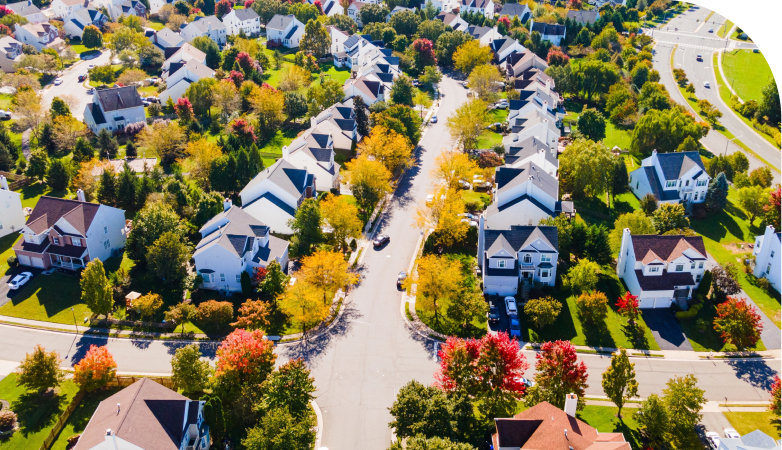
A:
{"x": 679, "y": 267}
{"x": 654, "y": 269}
{"x": 501, "y": 264}
{"x": 670, "y": 183}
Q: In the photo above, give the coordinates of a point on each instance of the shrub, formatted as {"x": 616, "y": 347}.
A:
{"x": 764, "y": 284}
{"x": 690, "y": 313}
{"x": 12, "y": 261}
{"x": 7, "y": 420}
{"x": 215, "y": 313}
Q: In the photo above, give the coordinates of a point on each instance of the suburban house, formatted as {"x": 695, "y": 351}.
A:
{"x": 114, "y": 108}
{"x": 39, "y": 35}
{"x": 10, "y": 53}
{"x": 180, "y": 76}
{"x": 155, "y": 5}
{"x": 583, "y": 16}
{"x": 454, "y": 21}
{"x": 613, "y": 3}
{"x": 287, "y": 30}
{"x": 330, "y": 7}
{"x": 166, "y": 40}
{"x": 128, "y": 8}
{"x": 28, "y": 10}
{"x": 485, "y": 7}
{"x": 546, "y": 426}
{"x": 70, "y": 233}
{"x": 661, "y": 270}
{"x": 369, "y": 90}
{"x": 12, "y": 218}
{"x": 146, "y": 415}
{"x": 354, "y": 12}
{"x": 338, "y": 39}
{"x": 525, "y": 195}
{"x": 766, "y": 253}
{"x": 756, "y": 440}
{"x": 521, "y": 256}
{"x": 533, "y": 150}
{"x": 314, "y": 152}
{"x": 441, "y": 5}
{"x": 234, "y": 242}
{"x": 515, "y": 10}
{"x": 80, "y": 19}
{"x": 549, "y": 32}
{"x": 518, "y": 63}
{"x": 338, "y": 121}
{"x": 538, "y": 122}
{"x": 671, "y": 178}
{"x": 275, "y": 194}
{"x": 484, "y": 35}
{"x": 504, "y": 47}
{"x": 186, "y": 53}
{"x": 397, "y": 10}
{"x": 209, "y": 26}
{"x": 246, "y": 20}
{"x": 533, "y": 76}
{"x": 64, "y": 8}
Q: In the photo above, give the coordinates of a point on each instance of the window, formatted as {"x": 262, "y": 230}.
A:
{"x": 501, "y": 264}
{"x": 105, "y": 230}
{"x": 544, "y": 273}
{"x": 653, "y": 269}
{"x": 670, "y": 183}
{"x": 56, "y": 241}
{"x": 679, "y": 267}
{"x": 527, "y": 258}
{"x": 700, "y": 265}
{"x": 692, "y": 266}
{"x": 106, "y": 244}
{"x": 637, "y": 183}
{"x": 238, "y": 278}
{"x": 701, "y": 182}
{"x": 222, "y": 277}
{"x": 545, "y": 258}
{"x": 771, "y": 255}
{"x": 76, "y": 242}
{"x": 1, "y": 225}
{"x": 768, "y": 269}
{"x": 687, "y": 183}
{"x": 698, "y": 278}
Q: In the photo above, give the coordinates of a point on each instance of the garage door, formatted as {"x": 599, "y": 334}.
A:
{"x": 662, "y": 302}
{"x": 498, "y": 289}
{"x": 647, "y": 302}
{"x": 38, "y": 262}
{"x": 24, "y": 260}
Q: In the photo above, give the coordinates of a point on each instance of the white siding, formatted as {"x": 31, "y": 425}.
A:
{"x": 113, "y": 220}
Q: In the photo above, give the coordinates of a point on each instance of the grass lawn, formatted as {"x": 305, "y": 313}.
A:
{"x": 707, "y": 339}
{"x": 341, "y": 74}
{"x": 6, "y": 250}
{"x": 33, "y": 192}
{"x": 735, "y": 36}
{"x": 491, "y": 138}
{"x": 155, "y": 25}
{"x": 604, "y": 419}
{"x": 80, "y": 416}
{"x": 725, "y": 28}
{"x": 49, "y": 298}
{"x": 615, "y": 135}
{"x": 6, "y": 101}
{"x": 281, "y": 139}
{"x": 470, "y": 196}
{"x": 596, "y": 211}
{"x": 272, "y": 76}
{"x": 747, "y": 72}
{"x": 747, "y": 422}
{"x": 37, "y": 413}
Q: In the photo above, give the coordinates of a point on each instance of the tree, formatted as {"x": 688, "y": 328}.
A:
{"x": 769, "y": 107}
{"x": 59, "y": 174}
{"x": 148, "y": 305}
{"x": 107, "y": 144}
{"x": 427, "y": 411}
{"x": 595, "y": 77}
{"x": 469, "y": 55}
{"x": 275, "y": 281}
{"x": 291, "y": 387}
{"x": 717, "y": 194}
{"x": 592, "y": 124}
{"x": 402, "y": 91}
{"x": 29, "y": 109}
{"x": 304, "y": 304}
{"x": 684, "y": 401}
{"x": 126, "y": 38}
{"x": 323, "y": 95}
{"x": 584, "y": 168}
{"x": 542, "y": 311}
{"x": 738, "y": 323}
{"x": 486, "y": 81}
{"x": 597, "y": 244}
{"x": 619, "y": 380}
{"x": 670, "y": 216}
{"x": 38, "y": 165}
{"x": 387, "y": 146}
{"x": 663, "y": 131}
{"x": 444, "y": 214}
{"x": 401, "y": 119}
{"x": 130, "y": 76}
{"x": 304, "y": 13}
{"x": 724, "y": 282}
{"x": 306, "y": 226}
{"x": 446, "y": 45}
{"x": 451, "y": 166}
{"x": 188, "y": 370}
{"x": 212, "y": 312}
{"x": 225, "y": 97}
{"x": 222, "y": 8}
{"x": 405, "y": 23}
{"x": 423, "y": 53}
{"x": 431, "y": 76}
{"x": 326, "y": 272}
{"x": 761, "y": 176}
{"x": 627, "y": 306}
{"x": 181, "y": 313}
{"x": 654, "y": 421}
{"x": 638, "y": 223}
{"x": 184, "y": 110}
{"x": 558, "y": 373}
{"x": 362, "y": 119}
{"x": 168, "y": 257}
{"x": 166, "y": 139}
{"x": 253, "y": 315}
{"x": 752, "y": 199}
{"x": 583, "y": 276}
{"x": 201, "y": 154}
{"x": 279, "y": 430}
{"x": 709, "y": 111}
{"x": 151, "y": 57}
{"x": 439, "y": 279}
{"x": 468, "y": 123}
{"x": 468, "y": 306}
{"x": 200, "y": 95}
{"x": 208, "y": 46}
{"x": 373, "y": 14}
{"x": 294, "y": 78}
{"x": 96, "y": 369}
{"x": 92, "y": 37}
{"x": 423, "y": 443}
{"x": 592, "y": 307}
{"x": 776, "y": 403}
{"x": 59, "y": 108}
{"x": 369, "y": 180}
{"x": 773, "y": 210}
{"x": 96, "y": 289}
{"x": 557, "y": 58}
{"x": 316, "y": 39}
{"x": 40, "y": 370}
{"x": 342, "y": 217}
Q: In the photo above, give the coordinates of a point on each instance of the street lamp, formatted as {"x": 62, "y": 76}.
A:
{"x": 74, "y": 320}
{"x": 728, "y": 143}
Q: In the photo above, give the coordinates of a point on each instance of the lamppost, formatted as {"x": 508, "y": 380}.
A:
{"x": 74, "y": 320}
{"x": 728, "y": 143}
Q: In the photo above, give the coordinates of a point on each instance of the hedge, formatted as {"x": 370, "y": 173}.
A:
{"x": 690, "y": 313}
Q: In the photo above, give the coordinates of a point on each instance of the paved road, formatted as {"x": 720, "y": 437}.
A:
{"x": 693, "y": 38}
{"x": 72, "y": 86}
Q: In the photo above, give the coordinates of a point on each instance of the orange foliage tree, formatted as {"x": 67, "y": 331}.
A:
{"x": 96, "y": 369}
{"x": 244, "y": 358}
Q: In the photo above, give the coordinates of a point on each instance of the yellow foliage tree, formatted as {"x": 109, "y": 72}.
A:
{"x": 148, "y": 305}
{"x": 471, "y": 55}
{"x": 486, "y": 81}
{"x": 342, "y": 217}
{"x": 200, "y": 155}
{"x": 166, "y": 140}
{"x": 66, "y": 130}
{"x": 326, "y": 272}
{"x": 450, "y": 166}
{"x": 369, "y": 180}
{"x": 269, "y": 104}
{"x": 86, "y": 180}
{"x": 293, "y": 78}
{"x": 439, "y": 278}
{"x": 468, "y": 123}
{"x": 387, "y": 146}
{"x": 303, "y": 304}
{"x": 444, "y": 215}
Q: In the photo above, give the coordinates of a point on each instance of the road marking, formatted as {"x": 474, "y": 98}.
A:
{"x": 435, "y": 345}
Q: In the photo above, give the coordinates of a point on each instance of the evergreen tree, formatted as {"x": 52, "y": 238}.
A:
{"x": 59, "y": 174}
{"x": 243, "y": 170}
{"x": 6, "y": 160}
{"x": 619, "y": 180}
{"x": 306, "y": 227}
{"x": 107, "y": 191}
{"x": 82, "y": 151}
{"x": 256, "y": 163}
{"x": 107, "y": 144}
{"x": 127, "y": 187}
{"x": 717, "y": 194}
{"x": 38, "y": 165}
{"x": 59, "y": 108}
{"x": 598, "y": 247}
{"x": 131, "y": 150}
{"x": 648, "y": 204}
{"x": 362, "y": 119}
{"x": 46, "y": 141}
{"x": 213, "y": 415}
{"x": 5, "y": 140}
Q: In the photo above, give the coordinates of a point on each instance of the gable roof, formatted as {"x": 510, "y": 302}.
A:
{"x": 676, "y": 164}
{"x": 648, "y": 247}
{"x": 23, "y": 8}
{"x": 237, "y": 235}
{"x": 529, "y": 147}
{"x": 203, "y": 23}
{"x": 656, "y": 186}
{"x": 280, "y": 22}
{"x": 521, "y": 236}
{"x": 283, "y": 174}
{"x": 49, "y": 210}
{"x": 515, "y": 10}
{"x": 509, "y": 177}
{"x": 582, "y": 16}
{"x": 548, "y": 29}
{"x": 245, "y": 14}
{"x": 195, "y": 67}
{"x": 150, "y": 416}
{"x": 9, "y": 45}
{"x": 115, "y": 99}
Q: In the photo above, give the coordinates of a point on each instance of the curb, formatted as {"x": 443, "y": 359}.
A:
{"x": 300, "y": 336}
{"x": 319, "y": 421}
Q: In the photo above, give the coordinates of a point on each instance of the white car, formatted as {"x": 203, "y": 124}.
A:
{"x": 713, "y": 439}
{"x": 510, "y": 306}
{"x": 730, "y": 433}
{"x": 706, "y": 84}
{"x": 57, "y": 81}
{"x": 19, "y": 280}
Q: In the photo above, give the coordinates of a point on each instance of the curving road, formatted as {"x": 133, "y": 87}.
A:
{"x": 72, "y": 86}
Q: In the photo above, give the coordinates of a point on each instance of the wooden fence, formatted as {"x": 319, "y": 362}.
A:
{"x": 16, "y": 181}
{"x": 125, "y": 381}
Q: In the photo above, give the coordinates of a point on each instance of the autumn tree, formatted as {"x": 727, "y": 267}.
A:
{"x": 322, "y": 95}
{"x": 215, "y": 313}
{"x": 293, "y": 78}
{"x": 387, "y": 146}
{"x": 444, "y": 215}
{"x": 683, "y": 401}
{"x": 273, "y": 284}
{"x": 592, "y": 307}
{"x": 486, "y": 81}
{"x": 369, "y": 180}
{"x": 558, "y": 373}
{"x": 542, "y": 311}
{"x": 252, "y": 315}
{"x": 188, "y": 370}
{"x": 226, "y": 98}
{"x": 326, "y": 272}
{"x": 654, "y": 421}
{"x": 583, "y": 276}
{"x": 96, "y": 369}
{"x": 775, "y": 405}
{"x": 92, "y": 37}
{"x": 619, "y": 380}
{"x": 201, "y": 154}
{"x": 470, "y": 55}
{"x": 96, "y": 289}
{"x": 451, "y": 166}
{"x": 29, "y": 109}
{"x": 166, "y": 139}
{"x": 148, "y": 305}
{"x": 439, "y": 279}
{"x": 738, "y": 323}
{"x": 342, "y": 216}
{"x": 181, "y": 313}
{"x": 243, "y": 358}
{"x": 269, "y": 104}
{"x": 304, "y": 305}
{"x": 468, "y": 123}
{"x": 627, "y": 306}
{"x": 40, "y": 370}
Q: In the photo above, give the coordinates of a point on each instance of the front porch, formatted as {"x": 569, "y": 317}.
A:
{"x": 66, "y": 262}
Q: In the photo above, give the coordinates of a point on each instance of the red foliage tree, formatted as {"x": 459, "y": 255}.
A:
{"x": 489, "y": 159}
{"x": 559, "y": 373}
{"x": 222, "y": 8}
{"x": 738, "y": 323}
{"x": 503, "y": 25}
{"x": 557, "y": 58}
{"x": 774, "y": 405}
{"x": 96, "y": 368}
{"x": 6, "y": 31}
{"x": 424, "y": 53}
{"x": 319, "y": 5}
{"x": 195, "y": 10}
{"x": 627, "y": 306}
{"x": 243, "y": 130}
{"x": 575, "y": 4}
{"x": 772, "y": 210}
{"x": 243, "y": 358}
{"x": 237, "y": 78}
{"x": 4, "y": 11}
{"x": 259, "y": 275}
{"x": 253, "y": 315}
{"x": 248, "y": 4}
{"x": 246, "y": 62}
{"x": 184, "y": 109}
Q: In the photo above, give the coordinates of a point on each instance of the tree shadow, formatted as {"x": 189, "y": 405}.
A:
{"x": 756, "y": 373}
{"x": 37, "y": 411}
{"x": 636, "y": 334}
{"x": 83, "y": 345}
{"x": 208, "y": 349}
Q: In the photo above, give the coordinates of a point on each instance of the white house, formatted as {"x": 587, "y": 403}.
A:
{"x": 234, "y": 242}
{"x": 70, "y": 233}
{"x": 64, "y": 8}
{"x": 314, "y": 152}
{"x": 128, "y": 8}
{"x": 354, "y": 12}
{"x": 166, "y": 40}
{"x": 485, "y": 7}
{"x": 155, "y": 5}
{"x": 185, "y": 53}
{"x": 286, "y": 30}
{"x": 10, "y": 53}
{"x": 504, "y": 47}
{"x": 275, "y": 194}
{"x": 661, "y": 270}
{"x": 242, "y": 19}
{"x": 671, "y": 177}
{"x": 338, "y": 39}
{"x": 77, "y": 21}
{"x": 484, "y": 35}
{"x": 535, "y": 151}
{"x": 209, "y": 26}
{"x": 442, "y": 5}
{"x": 180, "y": 76}
{"x": 28, "y": 10}
{"x": 766, "y": 253}
{"x": 12, "y": 217}
{"x": 397, "y": 10}
{"x": 369, "y": 90}
{"x": 454, "y": 21}
{"x": 146, "y": 415}
{"x": 330, "y": 7}
{"x": 518, "y": 63}
{"x": 339, "y": 122}
{"x": 549, "y": 32}
{"x": 512, "y": 10}
{"x": 38, "y": 35}
{"x": 520, "y": 256}
{"x": 114, "y": 108}
{"x": 525, "y": 195}
{"x": 538, "y": 122}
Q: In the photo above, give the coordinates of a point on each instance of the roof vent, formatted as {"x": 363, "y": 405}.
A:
{"x": 108, "y": 431}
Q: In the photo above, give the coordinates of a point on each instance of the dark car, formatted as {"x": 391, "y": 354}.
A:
{"x": 401, "y": 279}
{"x": 82, "y": 77}
{"x": 433, "y": 120}
{"x": 494, "y": 313}
{"x": 381, "y": 240}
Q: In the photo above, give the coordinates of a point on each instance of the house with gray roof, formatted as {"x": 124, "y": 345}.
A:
{"x": 80, "y": 19}
{"x": 518, "y": 63}
{"x": 538, "y": 121}
{"x": 233, "y": 243}
{"x": 275, "y": 194}
{"x": 28, "y": 10}
{"x": 166, "y": 40}
{"x": 583, "y": 16}
{"x": 180, "y": 76}
{"x": 485, "y": 35}
{"x": 209, "y": 26}
{"x": 114, "y": 108}
{"x": 39, "y": 35}
{"x": 756, "y": 440}
{"x": 504, "y": 47}
{"x": 10, "y": 53}
{"x": 453, "y": 20}
{"x": 127, "y": 8}
{"x": 287, "y": 30}
{"x": 549, "y": 32}
{"x": 246, "y": 20}
{"x": 370, "y": 90}
{"x": 678, "y": 177}
{"x": 515, "y": 10}
{"x": 533, "y": 150}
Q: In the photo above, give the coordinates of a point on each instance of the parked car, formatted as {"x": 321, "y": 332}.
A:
{"x": 527, "y": 382}
{"x": 382, "y": 240}
{"x": 515, "y": 327}
{"x": 706, "y": 84}
{"x": 5, "y": 115}
{"x": 699, "y": 57}
{"x": 731, "y": 433}
{"x": 152, "y": 99}
{"x": 82, "y": 77}
{"x": 711, "y": 30}
{"x": 415, "y": 82}
{"x": 19, "y": 280}
{"x": 57, "y": 81}
{"x": 430, "y": 198}
{"x": 91, "y": 66}
{"x": 145, "y": 102}
{"x": 496, "y": 126}
{"x": 433, "y": 119}
{"x": 494, "y": 313}
{"x": 713, "y": 439}
{"x": 401, "y": 279}
{"x": 510, "y": 306}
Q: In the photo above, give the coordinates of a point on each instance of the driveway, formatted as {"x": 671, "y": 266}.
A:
{"x": 712, "y": 421}
{"x": 6, "y": 294}
{"x": 666, "y": 329}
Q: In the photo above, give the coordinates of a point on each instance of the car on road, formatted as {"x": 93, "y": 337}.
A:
{"x": 706, "y": 84}
{"x": 19, "y": 280}
{"x": 381, "y": 240}
{"x": 5, "y": 115}
{"x": 711, "y": 30}
{"x": 731, "y": 433}
{"x": 91, "y": 66}
{"x": 713, "y": 439}
{"x": 510, "y": 306}
{"x": 82, "y": 77}
{"x": 57, "y": 81}
{"x": 494, "y": 313}
{"x": 401, "y": 279}
{"x": 433, "y": 119}
{"x": 699, "y": 57}
{"x": 515, "y": 327}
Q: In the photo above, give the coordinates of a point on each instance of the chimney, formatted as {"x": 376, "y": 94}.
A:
{"x": 108, "y": 431}
{"x": 4, "y": 183}
{"x": 571, "y": 403}
{"x": 313, "y": 121}
{"x": 80, "y": 195}
{"x": 227, "y": 203}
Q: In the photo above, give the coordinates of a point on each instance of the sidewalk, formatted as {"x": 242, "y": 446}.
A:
{"x": 676, "y": 355}
{"x": 53, "y": 326}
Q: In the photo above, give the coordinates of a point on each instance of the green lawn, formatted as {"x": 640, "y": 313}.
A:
{"x": 491, "y": 138}
{"x": 6, "y": 101}
{"x": 272, "y": 76}
{"x": 706, "y": 339}
{"x": 80, "y": 416}
{"x": 49, "y": 298}
{"x": 747, "y": 422}
{"x": 725, "y": 28}
{"x": 469, "y": 196}
{"x": 596, "y": 211}
{"x": 604, "y": 419}
{"x": 33, "y": 192}
{"x": 37, "y": 413}
{"x": 281, "y": 139}
{"x": 747, "y": 72}
{"x": 615, "y": 135}
{"x": 155, "y": 25}
{"x": 6, "y": 250}
{"x": 332, "y": 73}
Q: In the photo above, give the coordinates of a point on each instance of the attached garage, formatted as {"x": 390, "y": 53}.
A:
{"x": 37, "y": 262}
{"x": 654, "y": 302}
{"x": 25, "y": 260}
